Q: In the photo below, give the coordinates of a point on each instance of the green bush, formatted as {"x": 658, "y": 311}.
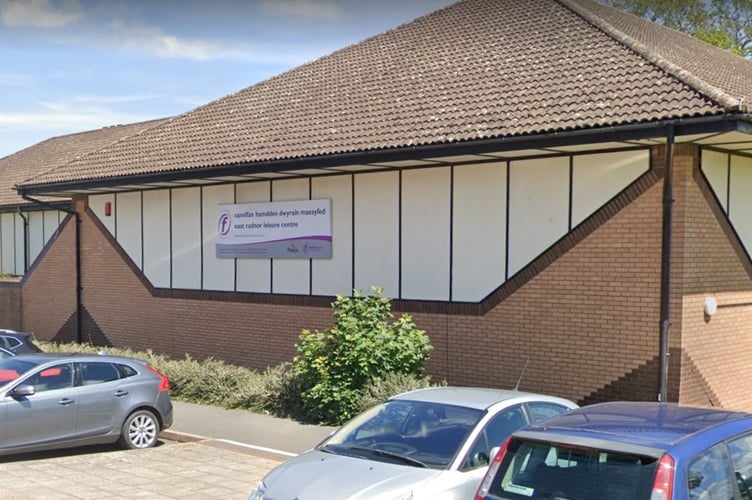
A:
{"x": 279, "y": 390}
{"x": 334, "y": 366}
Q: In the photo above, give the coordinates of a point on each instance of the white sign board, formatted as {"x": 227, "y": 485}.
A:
{"x": 284, "y": 229}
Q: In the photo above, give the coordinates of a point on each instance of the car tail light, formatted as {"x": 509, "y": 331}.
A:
{"x": 164, "y": 382}
{"x": 485, "y": 485}
{"x": 663, "y": 486}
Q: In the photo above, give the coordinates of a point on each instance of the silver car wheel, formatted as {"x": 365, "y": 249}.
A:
{"x": 140, "y": 430}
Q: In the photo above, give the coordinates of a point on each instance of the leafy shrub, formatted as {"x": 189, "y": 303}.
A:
{"x": 333, "y": 367}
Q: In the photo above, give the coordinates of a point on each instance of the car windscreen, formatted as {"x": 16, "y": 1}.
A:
{"x": 12, "y": 368}
{"x": 409, "y": 432}
{"x": 550, "y": 471}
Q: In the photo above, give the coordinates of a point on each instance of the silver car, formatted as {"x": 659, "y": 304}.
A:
{"x": 50, "y": 401}
{"x": 431, "y": 443}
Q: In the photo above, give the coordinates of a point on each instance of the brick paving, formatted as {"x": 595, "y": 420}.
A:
{"x": 206, "y": 469}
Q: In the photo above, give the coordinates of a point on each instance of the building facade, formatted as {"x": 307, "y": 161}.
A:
{"x": 578, "y": 222}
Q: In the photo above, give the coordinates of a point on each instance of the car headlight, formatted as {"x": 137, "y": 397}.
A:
{"x": 259, "y": 492}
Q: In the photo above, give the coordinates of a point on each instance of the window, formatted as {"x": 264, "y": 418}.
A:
{"x": 542, "y": 411}
{"x": 98, "y": 373}
{"x": 740, "y": 450}
{"x": 52, "y": 378}
{"x": 708, "y": 475}
{"x": 496, "y": 431}
{"x": 550, "y": 470}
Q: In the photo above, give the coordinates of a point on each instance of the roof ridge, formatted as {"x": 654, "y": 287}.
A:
{"x": 729, "y": 102}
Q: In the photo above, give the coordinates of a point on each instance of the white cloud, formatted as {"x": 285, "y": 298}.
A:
{"x": 154, "y": 41}
{"x": 39, "y": 13}
{"x": 308, "y": 9}
{"x": 114, "y": 99}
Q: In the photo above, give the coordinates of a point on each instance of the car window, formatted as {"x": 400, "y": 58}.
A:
{"x": 9, "y": 342}
{"x": 740, "y": 450}
{"x": 549, "y": 470}
{"x": 52, "y": 378}
{"x": 98, "y": 373}
{"x": 708, "y": 475}
{"x": 428, "y": 433}
{"x": 496, "y": 431}
{"x": 125, "y": 370}
{"x": 541, "y": 411}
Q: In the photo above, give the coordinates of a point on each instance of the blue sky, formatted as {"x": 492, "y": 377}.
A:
{"x": 73, "y": 65}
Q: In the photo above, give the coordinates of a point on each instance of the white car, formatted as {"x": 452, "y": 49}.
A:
{"x": 431, "y": 443}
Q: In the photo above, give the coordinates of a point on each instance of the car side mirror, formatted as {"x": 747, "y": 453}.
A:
{"x": 494, "y": 451}
{"x": 21, "y": 391}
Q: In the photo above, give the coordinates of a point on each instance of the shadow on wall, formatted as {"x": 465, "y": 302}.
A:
{"x": 641, "y": 384}
{"x": 90, "y": 331}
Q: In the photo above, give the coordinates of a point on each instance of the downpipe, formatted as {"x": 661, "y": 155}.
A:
{"x": 665, "y": 320}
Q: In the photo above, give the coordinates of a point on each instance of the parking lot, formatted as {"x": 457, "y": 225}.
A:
{"x": 190, "y": 470}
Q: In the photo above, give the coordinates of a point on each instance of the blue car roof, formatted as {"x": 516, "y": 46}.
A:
{"x": 652, "y": 425}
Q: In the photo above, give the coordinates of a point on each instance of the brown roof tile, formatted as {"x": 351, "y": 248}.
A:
{"x": 56, "y": 152}
{"x": 477, "y": 69}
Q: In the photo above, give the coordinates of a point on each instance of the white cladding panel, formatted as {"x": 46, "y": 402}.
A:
{"x": 51, "y": 223}
{"x": 538, "y": 208}
{"x": 128, "y": 225}
{"x": 96, "y": 205}
{"x": 156, "y": 264}
{"x": 253, "y": 275}
{"x": 715, "y": 166}
{"x": 596, "y": 178}
{"x": 8, "y": 243}
{"x": 219, "y": 274}
{"x": 36, "y": 235}
{"x": 20, "y": 244}
{"x": 740, "y": 201}
{"x": 186, "y": 238}
{"x": 479, "y": 230}
{"x": 334, "y": 276}
{"x": 376, "y": 232}
{"x": 426, "y": 196}
{"x": 291, "y": 275}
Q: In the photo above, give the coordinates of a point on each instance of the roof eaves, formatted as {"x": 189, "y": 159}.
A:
{"x": 730, "y": 103}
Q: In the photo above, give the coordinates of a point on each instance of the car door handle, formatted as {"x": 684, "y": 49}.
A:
{"x": 66, "y": 402}
{"x": 120, "y": 394}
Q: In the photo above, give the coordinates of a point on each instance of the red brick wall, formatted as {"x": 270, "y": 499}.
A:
{"x": 715, "y": 351}
{"x": 10, "y": 304}
{"x": 49, "y": 288}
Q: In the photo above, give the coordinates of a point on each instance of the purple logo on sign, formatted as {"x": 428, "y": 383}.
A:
{"x": 223, "y": 227}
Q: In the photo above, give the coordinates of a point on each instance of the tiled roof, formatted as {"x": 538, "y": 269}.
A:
{"x": 477, "y": 69}
{"x": 55, "y": 152}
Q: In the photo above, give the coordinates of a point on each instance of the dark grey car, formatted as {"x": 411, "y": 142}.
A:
{"x": 50, "y": 401}
{"x": 18, "y": 342}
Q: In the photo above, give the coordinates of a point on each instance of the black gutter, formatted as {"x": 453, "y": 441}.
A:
{"x": 79, "y": 288}
{"x": 665, "y": 321}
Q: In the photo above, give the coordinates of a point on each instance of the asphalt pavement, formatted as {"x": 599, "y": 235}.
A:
{"x": 208, "y": 453}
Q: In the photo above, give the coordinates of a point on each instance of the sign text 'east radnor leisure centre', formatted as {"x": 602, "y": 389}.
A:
{"x": 285, "y": 229}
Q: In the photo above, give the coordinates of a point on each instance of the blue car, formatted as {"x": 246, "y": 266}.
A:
{"x": 627, "y": 450}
